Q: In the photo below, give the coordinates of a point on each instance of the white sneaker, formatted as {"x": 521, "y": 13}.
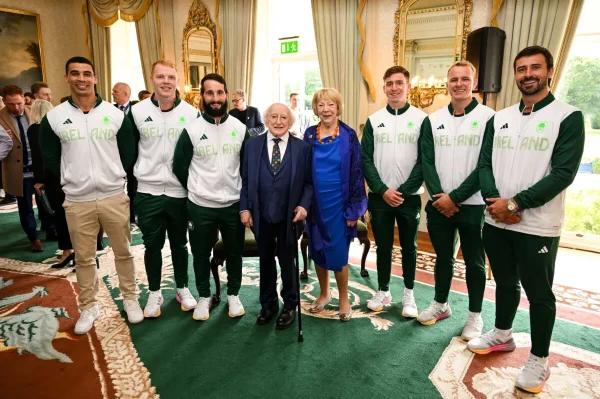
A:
{"x": 236, "y": 309}
{"x": 534, "y": 375}
{"x": 473, "y": 327}
{"x": 152, "y": 308}
{"x": 379, "y": 300}
{"x": 436, "y": 311}
{"x": 202, "y": 311}
{"x": 133, "y": 310}
{"x": 86, "y": 320}
{"x": 186, "y": 299}
{"x": 493, "y": 341}
{"x": 409, "y": 306}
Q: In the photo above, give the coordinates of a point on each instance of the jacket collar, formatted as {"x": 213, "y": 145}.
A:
{"x": 398, "y": 111}
{"x": 539, "y": 105}
{"x": 212, "y": 120}
{"x": 98, "y": 101}
{"x": 468, "y": 109}
{"x": 177, "y": 100}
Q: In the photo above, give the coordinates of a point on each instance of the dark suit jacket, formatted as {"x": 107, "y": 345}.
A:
{"x": 37, "y": 160}
{"x": 253, "y": 121}
{"x": 131, "y": 104}
{"x": 12, "y": 167}
{"x": 301, "y": 186}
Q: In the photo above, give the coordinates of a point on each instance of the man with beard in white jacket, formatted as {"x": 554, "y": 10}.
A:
{"x": 530, "y": 155}
{"x": 207, "y": 162}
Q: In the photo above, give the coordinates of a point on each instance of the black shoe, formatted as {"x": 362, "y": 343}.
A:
{"x": 68, "y": 259}
{"x": 285, "y": 319}
{"x": 8, "y": 200}
{"x": 266, "y": 315}
{"x": 51, "y": 235}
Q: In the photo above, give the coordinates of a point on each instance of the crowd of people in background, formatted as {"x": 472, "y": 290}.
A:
{"x": 495, "y": 179}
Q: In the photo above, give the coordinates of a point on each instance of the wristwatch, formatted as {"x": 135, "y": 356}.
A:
{"x": 512, "y": 206}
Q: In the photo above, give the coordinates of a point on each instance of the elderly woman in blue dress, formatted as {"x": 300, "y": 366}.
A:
{"x": 339, "y": 197}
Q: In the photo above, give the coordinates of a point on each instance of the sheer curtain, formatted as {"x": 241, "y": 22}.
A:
{"x": 239, "y": 25}
{"x": 527, "y": 23}
{"x": 103, "y": 14}
{"x": 338, "y": 41}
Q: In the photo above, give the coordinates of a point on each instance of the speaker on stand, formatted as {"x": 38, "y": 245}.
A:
{"x": 485, "y": 50}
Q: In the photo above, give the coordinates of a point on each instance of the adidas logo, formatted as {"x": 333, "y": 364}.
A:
{"x": 505, "y": 126}
{"x": 68, "y": 121}
{"x": 381, "y": 125}
{"x": 440, "y": 127}
{"x": 204, "y": 137}
{"x": 148, "y": 119}
{"x": 544, "y": 250}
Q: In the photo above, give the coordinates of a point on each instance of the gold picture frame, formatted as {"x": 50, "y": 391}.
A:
{"x": 464, "y": 9}
{"x": 19, "y": 24}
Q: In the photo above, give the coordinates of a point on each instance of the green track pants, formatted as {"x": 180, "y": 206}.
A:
{"x": 159, "y": 215}
{"x": 407, "y": 216}
{"x": 203, "y": 225}
{"x": 529, "y": 259}
{"x": 444, "y": 233}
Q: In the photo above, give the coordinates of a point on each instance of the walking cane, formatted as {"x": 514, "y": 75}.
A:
{"x": 297, "y": 271}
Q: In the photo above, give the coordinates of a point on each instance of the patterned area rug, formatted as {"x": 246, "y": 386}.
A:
{"x": 176, "y": 357}
{"x": 572, "y": 297}
{"x": 38, "y": 311}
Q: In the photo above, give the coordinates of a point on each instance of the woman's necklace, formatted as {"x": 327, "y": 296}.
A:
{"x": 333, "y": 136}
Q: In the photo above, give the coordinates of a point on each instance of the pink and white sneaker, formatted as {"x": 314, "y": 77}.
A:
{"x": 186, "y": 299}
{"x": 436, "y": 311}
{"x": 379, "y": 300}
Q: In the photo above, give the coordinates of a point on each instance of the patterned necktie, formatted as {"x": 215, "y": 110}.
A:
{"x": 122, "y": 107}
{"x": 276, "y": 158}
{"x": 23, "y": 141}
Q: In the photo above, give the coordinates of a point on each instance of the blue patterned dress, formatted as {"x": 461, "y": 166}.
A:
{"x": 339, "y": 195}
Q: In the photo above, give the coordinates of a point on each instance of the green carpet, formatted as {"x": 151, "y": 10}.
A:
{"x": 388, "y": 356}
{"x": 226, "y": 357}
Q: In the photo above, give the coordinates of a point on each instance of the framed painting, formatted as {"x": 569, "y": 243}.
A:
{"x": 21, "y": 44}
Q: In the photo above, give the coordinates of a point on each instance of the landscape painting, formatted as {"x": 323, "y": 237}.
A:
{"x": 21, "y": 44}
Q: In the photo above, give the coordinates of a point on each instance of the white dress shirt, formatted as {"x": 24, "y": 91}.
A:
{"x": 282, "y": 144}
{"x": 6, "y": 143}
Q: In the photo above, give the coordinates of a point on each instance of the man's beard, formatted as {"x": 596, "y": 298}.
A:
{"x": 215, "y": 113}
{"x": 541, "y": 85}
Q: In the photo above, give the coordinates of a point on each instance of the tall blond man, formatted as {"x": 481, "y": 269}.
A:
{"x": 160, "y": 202}
{"x": 451, "y": 141}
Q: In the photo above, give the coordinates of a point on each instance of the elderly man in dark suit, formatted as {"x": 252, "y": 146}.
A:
{"x": 276, "y": 192}
{"x": 247, "y": 114}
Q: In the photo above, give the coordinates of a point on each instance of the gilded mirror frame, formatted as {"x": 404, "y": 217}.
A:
{"x": 464, "y": 7}
{"x": 199, "y": 20}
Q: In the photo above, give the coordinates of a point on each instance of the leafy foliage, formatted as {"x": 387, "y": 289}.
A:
{"x": 582, "y": 85}
{"x": 583, "y": 211}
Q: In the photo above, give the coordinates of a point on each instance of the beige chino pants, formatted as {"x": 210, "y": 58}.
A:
{"x": 84, "y": 220}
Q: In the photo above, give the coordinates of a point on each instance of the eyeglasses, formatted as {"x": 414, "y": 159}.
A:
{"x": 274, "y": 117}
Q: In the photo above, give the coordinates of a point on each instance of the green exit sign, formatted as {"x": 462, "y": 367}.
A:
{"x": 289, "y": 47}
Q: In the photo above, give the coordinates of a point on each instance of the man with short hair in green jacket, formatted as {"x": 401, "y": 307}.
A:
{"x": 88, "y": 144}
{"x": 392, "y": 168}
{"x": 530, "y": 155}
{"x": 451, "y": 139}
